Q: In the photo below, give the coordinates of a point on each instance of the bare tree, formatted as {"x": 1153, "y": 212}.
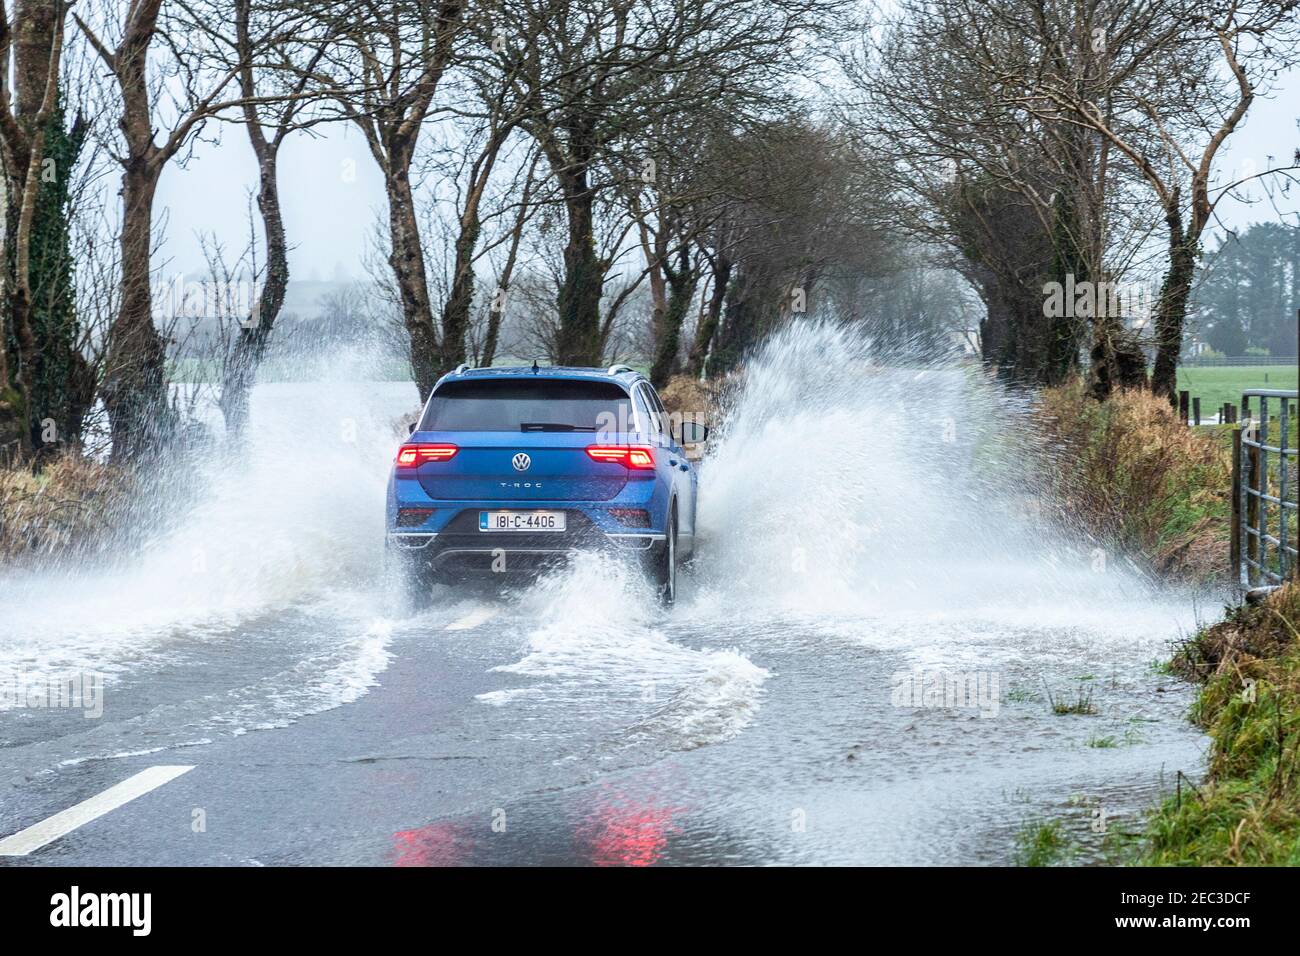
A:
{"x": 806, "y": 206}
{"x": 717, "y": 249}
{"x": 597, "y": 76}
{"x": 1084, "y": 112}
{"x": 511, "y": 240}
{"x": 384, "y": 74}
{"x": 675, "y": 204}
{"x": 1193, "y": 70}
{"x": 476, "y": 152}
{"x": 1018, "y": 198}
{"x": 274, "y": 70}
{"x": 135, "y": 383}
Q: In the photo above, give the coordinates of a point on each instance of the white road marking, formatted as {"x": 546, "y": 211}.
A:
{"x": 65, "y": 821}
{"x": 473, "y": 619}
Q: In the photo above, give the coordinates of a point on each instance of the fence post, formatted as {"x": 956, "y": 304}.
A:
{"x": 1196, "y": 410}
{"x": 1237, "y": 493}
{"x": 1252, "y": 508}
{"x": 1283, "y": 492}
{"x": 1182, "y": 406}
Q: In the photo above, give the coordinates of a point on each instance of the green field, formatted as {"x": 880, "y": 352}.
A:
{"x": 1214, "y": 386}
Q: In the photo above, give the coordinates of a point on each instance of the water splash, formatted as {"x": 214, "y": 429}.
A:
{"x": 293, "y": 520}
{"x": 839, "y": 487}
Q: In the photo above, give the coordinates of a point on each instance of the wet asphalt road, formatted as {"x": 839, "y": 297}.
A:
{"x": 424, "y": 770}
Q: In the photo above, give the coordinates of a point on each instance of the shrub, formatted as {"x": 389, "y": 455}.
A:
{"x": 1130, "y": 472}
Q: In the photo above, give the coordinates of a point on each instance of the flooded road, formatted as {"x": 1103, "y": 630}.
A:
{"x": 863, "y": 666}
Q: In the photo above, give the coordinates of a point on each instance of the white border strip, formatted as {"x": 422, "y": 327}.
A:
{"x": 65, "y": 821}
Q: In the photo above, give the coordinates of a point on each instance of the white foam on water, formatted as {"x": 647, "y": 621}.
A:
{"x": 336, "y": 675}
{"x": 294, "y": 521}
{"x": 594, "y": 638}
{"x": 882, "y": 500}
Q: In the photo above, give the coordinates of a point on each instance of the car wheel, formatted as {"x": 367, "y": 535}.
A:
{"x": 663, "y": 571}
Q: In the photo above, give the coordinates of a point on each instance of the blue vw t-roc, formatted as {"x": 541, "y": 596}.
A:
{"x": 510, "y": 470}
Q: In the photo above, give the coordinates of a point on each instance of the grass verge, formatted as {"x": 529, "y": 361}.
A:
{"x": 1247, "y": 811}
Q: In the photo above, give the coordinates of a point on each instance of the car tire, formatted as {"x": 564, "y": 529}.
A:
{"x": 663, "y": 565}
{"x": 411, "y": 577}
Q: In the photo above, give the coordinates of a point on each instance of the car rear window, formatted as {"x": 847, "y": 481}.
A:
{"x": 513, "y": 405}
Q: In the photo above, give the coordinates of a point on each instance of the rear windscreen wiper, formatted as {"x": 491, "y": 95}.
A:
{"x": 554, "y": 427}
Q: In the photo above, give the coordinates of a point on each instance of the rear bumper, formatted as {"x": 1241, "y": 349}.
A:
{"x": 444, "y": 515}
{"x": 448, "y": 538}
{"x": 471, "y": 553}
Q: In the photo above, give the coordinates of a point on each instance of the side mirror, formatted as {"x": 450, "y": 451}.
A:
{"x": 694, "y": 432}
{"x": 410, "y": 429}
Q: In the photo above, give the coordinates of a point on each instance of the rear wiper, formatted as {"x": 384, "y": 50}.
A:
{"x": 554, "y": 427}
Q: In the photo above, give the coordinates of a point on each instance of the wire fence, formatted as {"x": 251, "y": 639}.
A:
{"x": 1234, "y": 361}
{"x": 1264, "y": 499}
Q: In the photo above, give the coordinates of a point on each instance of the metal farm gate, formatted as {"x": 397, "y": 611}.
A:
{"x": 1264, "y": 484}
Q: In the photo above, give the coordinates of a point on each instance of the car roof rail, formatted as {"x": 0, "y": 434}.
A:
{"x": 463, "y": 367}
{"x": 615, "y": 369}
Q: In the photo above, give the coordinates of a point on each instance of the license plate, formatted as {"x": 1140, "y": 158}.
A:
{"x": 521, "y": 520}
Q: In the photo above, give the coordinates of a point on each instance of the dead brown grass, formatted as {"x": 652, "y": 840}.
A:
{"x": 695, "y": 400}
{"x": 71, "y": 505}
{"x": 1248, "y": 635}
{"x": 1131, "y": 472}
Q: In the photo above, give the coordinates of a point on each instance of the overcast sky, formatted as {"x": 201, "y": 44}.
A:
{"x": 332, "y": 191}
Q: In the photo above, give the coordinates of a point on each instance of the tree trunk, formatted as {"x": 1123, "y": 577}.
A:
{"x": 62, "y": 382}
{"x": 503, "y": 286}
{"x": 250, "y": 344}
{"x": 456, "y": 311}
{"x": 135, "y": 381}
{"x": 407, "y": 260}
{"x": 1102, "y": 369}
{"x": 578, "y": 341}
{"x": 1171, "y": 308}
{"x": 681, "y": 283}
{"x": 748, "y": 312}
{"x": 708, "y": 326}
{"x": 19, "y": 307}
{"x": 658, "y": 287}
{"x": 37, "y": 43}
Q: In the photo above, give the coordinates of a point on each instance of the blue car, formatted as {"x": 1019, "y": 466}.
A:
{"x": 511, "y": 470}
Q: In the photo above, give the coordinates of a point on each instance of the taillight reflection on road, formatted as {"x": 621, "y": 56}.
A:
{"x": 438, "y": 844}
{"x": 624, "y": 833}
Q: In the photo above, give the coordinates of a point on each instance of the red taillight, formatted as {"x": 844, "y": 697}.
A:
{"x": 633, "y": 456}
{"x": 413, "y": 456}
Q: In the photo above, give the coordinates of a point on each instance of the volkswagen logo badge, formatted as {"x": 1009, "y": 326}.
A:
{"x": 521, "y": 462}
